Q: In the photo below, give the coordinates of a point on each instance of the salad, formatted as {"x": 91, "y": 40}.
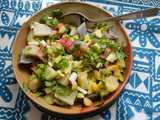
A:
{"x": 71, "y": 63}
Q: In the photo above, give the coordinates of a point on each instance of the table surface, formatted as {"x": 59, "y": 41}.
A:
{"x": 140, "y": 100}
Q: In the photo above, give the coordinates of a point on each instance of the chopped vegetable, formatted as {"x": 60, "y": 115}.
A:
{"x": 34, "y": 85}
{"x": 57, "y": 13}
{"x": 82, "y": 90}
{"x": 80, "y": 95}
{"x": 82, "y": 29}
{"x": 25, "y": 60}
{"x": 49, "y": 99}
{"x": 112, "y": 57}
{"x": 98, "y": 33}
{"x": 82, "y": 79}
{"x": 69, "y": 98}
{"x": 33, "y": 51}
{"x": 73, "y": 77}
{"x": 87, "y": 102}
{"x": 41, "y": 29}
{"x": 111, "y": 83}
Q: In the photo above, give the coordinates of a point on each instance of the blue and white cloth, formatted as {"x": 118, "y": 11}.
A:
{"x": 140, "y": 100}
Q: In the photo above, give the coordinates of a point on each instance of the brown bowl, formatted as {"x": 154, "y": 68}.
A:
{"x": 22, "y": 75}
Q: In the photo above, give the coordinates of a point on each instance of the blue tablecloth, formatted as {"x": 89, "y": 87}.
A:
{"x": 140, "y": 99}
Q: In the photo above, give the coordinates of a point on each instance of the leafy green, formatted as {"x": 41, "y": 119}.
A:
{"x": 53, "y": 22}
{"x": 45, "y": 72}
{"x": 93, "y": 37}
{"x": 109, "y": 43}
{"x": 50, "y": 50}
{"x": 54, "y": 37}
{"x": 44, "y": 18}
{"x": 121, "y": 55}
{"x": 50, "y": 83}
{"x": 40, "y": 69}
{"x": 57, "y": 13}
{"x": 61, "y": 51}
{"x": 61, "y": 62}
{"x": 62, "y": 90}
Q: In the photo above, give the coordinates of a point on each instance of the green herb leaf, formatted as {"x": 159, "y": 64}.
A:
{"x": 57, "y": 13}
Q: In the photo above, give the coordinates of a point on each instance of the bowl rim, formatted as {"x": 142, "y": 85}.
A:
{"x": 116, "y": 93}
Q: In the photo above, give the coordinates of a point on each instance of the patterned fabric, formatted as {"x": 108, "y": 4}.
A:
{"x": 140, "y": 100}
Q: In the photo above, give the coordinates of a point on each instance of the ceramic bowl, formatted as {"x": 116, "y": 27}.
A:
{"x": 22, "y": 75}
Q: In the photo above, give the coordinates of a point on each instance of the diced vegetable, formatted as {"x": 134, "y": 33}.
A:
{"x": 33, "y": 51}
{"x": 73, "y": 31}
{"x": 95, "y": 87}
{"x": 25, "y": 60}
{"x": 34, "y": 84}
{"x": 69, "y": 99}
{"x": 45, "y": 72}
{"x": 73, "y": 77}
{"x": 41, "y": 29}
{"x": 52, "y": 22}
{"x": 111, "y": 83}
{"x": 97, "y": 74}
{"x": 87, "y": 102}
{"x": 82, "y": 29}
{"x": 111, "y": 68}
{"x": 121, "y": 63}
{"x": 57, "y": 13}
{"x": 50, "y": 73}
{"x": 64, "y": 80}
{"x": 80, "y": 95}
{"x": 87, "y": 38}
{"x": 112, "y": 57}
{"x": 61, "y": 28}
{"x": 81, "y": 90}
{"x": 49, "y": 99}
{"x": 98, "y": 33}
{"x": 82, "y": 80}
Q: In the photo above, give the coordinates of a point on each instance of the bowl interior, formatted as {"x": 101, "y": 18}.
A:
{"x": 22, "y": 75}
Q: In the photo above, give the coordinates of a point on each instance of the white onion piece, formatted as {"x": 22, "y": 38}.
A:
{"x": 41, "y": 29}
{"x": 82, "y": 29}
{"x": 73, "y": 77}
{"x": 82, "y": 90}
